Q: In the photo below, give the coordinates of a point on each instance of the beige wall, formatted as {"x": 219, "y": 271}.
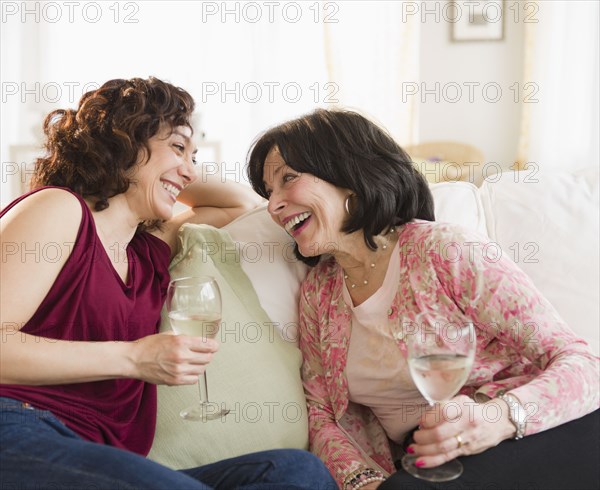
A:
{"x": 491, "y": 126}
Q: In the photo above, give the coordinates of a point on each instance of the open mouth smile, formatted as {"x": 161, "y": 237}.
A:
{"x": 296, "y": 224}
{"x": 171, "y": 189}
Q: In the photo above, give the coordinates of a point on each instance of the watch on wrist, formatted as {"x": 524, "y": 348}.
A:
{"x": 516, "y": 413}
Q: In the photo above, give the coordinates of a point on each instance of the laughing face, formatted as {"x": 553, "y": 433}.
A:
{"x": 311, "y": 210}
{"x": 157, "y": 181}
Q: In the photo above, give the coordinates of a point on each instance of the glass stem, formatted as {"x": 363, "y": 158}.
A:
{"x": 438, "y": 406}
{"x": 203, "y": 389}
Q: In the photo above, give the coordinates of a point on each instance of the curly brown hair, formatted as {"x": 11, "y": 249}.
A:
{"x": 90, "y": 150}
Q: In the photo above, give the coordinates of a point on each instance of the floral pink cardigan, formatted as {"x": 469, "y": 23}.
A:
{"x": 522, "y": 343}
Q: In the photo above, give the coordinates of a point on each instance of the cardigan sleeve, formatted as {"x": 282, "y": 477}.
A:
{"x": 327, "y": 439}
{"x": 501, "y": 299}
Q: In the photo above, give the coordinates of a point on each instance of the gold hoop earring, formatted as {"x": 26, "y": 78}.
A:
{"x": 347, "y": 204}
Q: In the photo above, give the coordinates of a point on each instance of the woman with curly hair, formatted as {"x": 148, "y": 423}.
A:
{"x": 80, "y": 350}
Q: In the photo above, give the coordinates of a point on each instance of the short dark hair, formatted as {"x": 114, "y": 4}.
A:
{"x": 347, "y": 150}
{"x": 89, "y": 150}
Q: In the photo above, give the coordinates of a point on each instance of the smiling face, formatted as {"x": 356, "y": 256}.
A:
{"x": 156, "y": 181}
{"x": 311, "y": 210}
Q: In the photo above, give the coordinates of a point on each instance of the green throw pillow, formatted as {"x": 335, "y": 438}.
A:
{"x": 255, "y": 373}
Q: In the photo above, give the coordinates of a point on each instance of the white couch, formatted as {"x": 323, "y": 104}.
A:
{"x": 548, "y": 223}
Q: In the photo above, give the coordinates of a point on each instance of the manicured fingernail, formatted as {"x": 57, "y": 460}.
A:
{"x": 410, "y": 450}
{"x": 419, "y": 463}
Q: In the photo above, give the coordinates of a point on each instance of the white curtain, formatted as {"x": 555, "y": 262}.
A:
{"x": 560, "y": 120}
{"x": 371, "y": 53}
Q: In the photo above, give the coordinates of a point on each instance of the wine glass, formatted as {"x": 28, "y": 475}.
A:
{"x": 194, "y": 306}
{"x": 440, "y": 356}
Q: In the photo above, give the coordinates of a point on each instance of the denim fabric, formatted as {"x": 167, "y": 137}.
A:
{"x": 37, "y": 451}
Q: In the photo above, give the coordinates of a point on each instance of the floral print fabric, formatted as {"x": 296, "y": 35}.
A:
{"x": 522, "y": 343}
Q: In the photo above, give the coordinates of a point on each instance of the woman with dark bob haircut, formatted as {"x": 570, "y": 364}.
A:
{"x": 81, "y": 356}
{"x": 363, "y": 217}
{"x": 349, "y": 152}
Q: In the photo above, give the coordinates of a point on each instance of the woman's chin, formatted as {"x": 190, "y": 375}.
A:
{"x": 308, "y": 251}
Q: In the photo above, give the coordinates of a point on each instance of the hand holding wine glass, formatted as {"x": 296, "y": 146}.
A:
{"x": 194, "y": 306}
{"x": 440, "y": 356}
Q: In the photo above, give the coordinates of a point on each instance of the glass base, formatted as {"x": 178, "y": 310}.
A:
{"x": 204, "y": 412}
{"x": 446, "y": 472}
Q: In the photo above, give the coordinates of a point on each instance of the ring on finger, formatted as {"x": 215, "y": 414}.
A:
{"x": 459, "y": 441}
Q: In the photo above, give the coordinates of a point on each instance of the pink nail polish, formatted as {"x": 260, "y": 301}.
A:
{"x": 410, "y": 450}
{"x": 419, "y": 463}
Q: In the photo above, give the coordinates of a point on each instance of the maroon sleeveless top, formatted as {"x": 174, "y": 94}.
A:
{"x": 89, "y": 302}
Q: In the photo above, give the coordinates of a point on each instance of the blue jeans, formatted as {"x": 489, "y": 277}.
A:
{"x": 38, "y": 451}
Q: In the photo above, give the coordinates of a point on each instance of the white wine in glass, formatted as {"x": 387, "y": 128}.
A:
{"x": 195, "y": 323}
{"x": 194, "y": 306}
{"x": 440, "y": 356}
{"x": 439, "y": 376}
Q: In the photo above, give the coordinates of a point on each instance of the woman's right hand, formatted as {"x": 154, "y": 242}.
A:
{"x": 170, "y": 359}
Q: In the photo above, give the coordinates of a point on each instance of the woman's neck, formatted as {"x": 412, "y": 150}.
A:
{"x": 116, "y": 224}
{"x": 357, "y": 258}
{"x": 364, "y": 269}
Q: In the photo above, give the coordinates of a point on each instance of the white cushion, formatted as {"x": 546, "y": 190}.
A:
{"x": 548, "y": 223}
{"x": 267, "y": 257}
{"x": 459, "y": 203}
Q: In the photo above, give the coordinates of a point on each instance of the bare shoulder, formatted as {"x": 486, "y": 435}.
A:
{"x": 58, "y": 199}
{"x": 38, "y": 235}
{"x": 50, "y": 213}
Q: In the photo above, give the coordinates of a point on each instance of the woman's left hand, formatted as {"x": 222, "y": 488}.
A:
{"x": 460, "y": 427}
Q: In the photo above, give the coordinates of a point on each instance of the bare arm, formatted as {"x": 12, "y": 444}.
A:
{"x": 26, "y": 359}
{"x": 213, "y": 202}
{"x": 212, "y": 191}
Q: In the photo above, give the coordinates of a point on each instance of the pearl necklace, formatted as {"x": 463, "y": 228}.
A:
{"x": 365, "y": 281}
